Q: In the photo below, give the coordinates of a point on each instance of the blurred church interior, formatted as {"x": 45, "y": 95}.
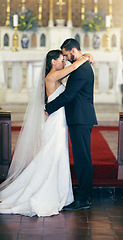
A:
{"x": 28, "y": 30}
{"x": 21, "y": 61}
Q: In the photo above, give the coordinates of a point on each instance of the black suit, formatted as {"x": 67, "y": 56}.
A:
{"x": 80, "y": 114}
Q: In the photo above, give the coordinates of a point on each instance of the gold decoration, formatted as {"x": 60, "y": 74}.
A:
{"x": 60, "y": 3}
{"x": 83, "y": 10}
{"x": 40, "y": 13}
{"x": 15, "y": 40}
{"x": 23, "y": 7}
{"x": 8, "y": 13}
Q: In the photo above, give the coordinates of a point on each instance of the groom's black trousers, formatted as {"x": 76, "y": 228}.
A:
{"x": 80, "y": 139}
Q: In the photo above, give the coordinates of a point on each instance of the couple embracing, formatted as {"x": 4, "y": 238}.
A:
{"x": 39, "y": 179}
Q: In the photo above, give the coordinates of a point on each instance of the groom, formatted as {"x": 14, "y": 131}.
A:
{"x": 80, "y": 116}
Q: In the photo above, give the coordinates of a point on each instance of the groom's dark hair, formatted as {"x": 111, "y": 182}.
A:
{"x": 70, "y": 43}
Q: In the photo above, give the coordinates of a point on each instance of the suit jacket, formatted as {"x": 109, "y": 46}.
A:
{"x": 77, "y": 97}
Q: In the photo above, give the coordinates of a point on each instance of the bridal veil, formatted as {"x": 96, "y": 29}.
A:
{"x": 30, "y": 138}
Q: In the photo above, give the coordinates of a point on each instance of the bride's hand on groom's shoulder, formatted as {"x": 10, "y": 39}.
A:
{"x": 91, "y": 59}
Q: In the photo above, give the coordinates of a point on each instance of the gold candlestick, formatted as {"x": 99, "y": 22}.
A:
{"x": 15, "y": 40}
{"x": 110, "y": 12}
{"x": 40, "y": 13}
{"x": 60, "y": 3}
{"x": 69, "y": 11}
{"x": 83, "y": 10}
{"x": 8, "y": 13}
{"x": 23, "y": 7}
{"x": 107, "y": 39}
{"x": 69, "y": 21}
{"x": 51, "y": 23}
{"x": 51, "y": 10}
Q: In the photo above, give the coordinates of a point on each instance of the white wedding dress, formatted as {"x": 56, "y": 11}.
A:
{"x": 44, "y": 186}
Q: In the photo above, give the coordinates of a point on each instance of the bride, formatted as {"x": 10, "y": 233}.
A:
{"x": 39, "y": 180}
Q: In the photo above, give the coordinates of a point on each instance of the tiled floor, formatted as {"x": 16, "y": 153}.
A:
{"x": 103, "y": 221}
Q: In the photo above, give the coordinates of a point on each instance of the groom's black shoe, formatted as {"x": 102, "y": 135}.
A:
{"x": 76, "y": 205}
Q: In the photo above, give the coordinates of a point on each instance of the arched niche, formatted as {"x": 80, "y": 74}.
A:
{"x": 42, "y": 40}
{"x": 6, "y": 40}
{"x": 33, "y": 40}
{"x": 77, "y": 37}
{"x": 113, "y": 40}
{"x": 86, "y": 41}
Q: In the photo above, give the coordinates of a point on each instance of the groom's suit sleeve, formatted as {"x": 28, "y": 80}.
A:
{"x": 75, "y": 83}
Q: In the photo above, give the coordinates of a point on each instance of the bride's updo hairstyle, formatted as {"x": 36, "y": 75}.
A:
{"x": 53, "y": 54}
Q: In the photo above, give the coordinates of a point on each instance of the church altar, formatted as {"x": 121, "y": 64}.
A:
{"x": 19, "y": 71}
{"x": 20, "y": 63}
{"x": 108, "y": 68}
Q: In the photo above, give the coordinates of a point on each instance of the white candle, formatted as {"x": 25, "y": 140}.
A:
{"x": 110, "y": 1}
{"x": 83, "y": 1}
{"x": 15, "y": 20}
{"x": 107, "y": 21}
{"x": 95, "y": 1}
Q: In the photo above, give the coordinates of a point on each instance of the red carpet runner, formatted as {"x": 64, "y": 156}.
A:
{"x": 105, "y": 167}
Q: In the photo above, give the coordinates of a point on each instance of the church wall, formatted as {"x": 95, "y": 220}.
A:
{"x": 117, "y": 9}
